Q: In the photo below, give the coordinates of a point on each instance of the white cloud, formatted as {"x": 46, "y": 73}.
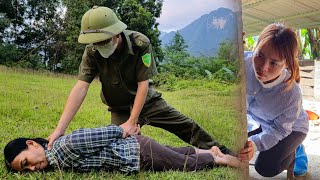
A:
{"x": 176, "y": 14}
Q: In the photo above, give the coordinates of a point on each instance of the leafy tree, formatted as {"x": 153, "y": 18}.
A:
{"x": 9, "y": 54}
{"x": 228, "y": 51}
{"x": 175, "y": 56}
{"x": 180, "y": 64}
{"x": 28, "y": 24}
{"x": 177, "y": 44}
{"x": 140, "y": 15}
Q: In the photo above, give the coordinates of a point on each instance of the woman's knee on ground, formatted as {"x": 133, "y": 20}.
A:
{"x": 268, "y": 171}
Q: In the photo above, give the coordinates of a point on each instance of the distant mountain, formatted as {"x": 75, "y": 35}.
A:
{"x": 162, "y": 33}
{"x": 204, "y": 35}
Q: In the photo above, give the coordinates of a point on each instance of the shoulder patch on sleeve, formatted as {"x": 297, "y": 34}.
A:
{"x": 146, "y": 59}
{"x": 90, "y": 49}
{"x": 140, "y": 39}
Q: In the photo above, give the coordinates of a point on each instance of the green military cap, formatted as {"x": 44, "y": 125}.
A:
{"x": 99, "y": 24}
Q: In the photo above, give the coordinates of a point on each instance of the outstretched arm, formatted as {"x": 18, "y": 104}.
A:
{"x": 130, "y": 126}
{"x": 75, "y": 99}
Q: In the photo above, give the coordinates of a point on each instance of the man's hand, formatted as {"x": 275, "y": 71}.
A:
{"x": 130, "y": 128}
{"x": 55, "y": 135}
{"x": 246, "y": 153}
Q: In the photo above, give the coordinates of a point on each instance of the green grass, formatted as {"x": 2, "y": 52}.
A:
{"x": 32, "y": 102}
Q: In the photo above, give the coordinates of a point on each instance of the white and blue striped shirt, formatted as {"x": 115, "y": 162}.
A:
{"x": 277, "y": 111}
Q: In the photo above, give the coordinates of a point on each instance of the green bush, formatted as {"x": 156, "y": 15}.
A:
{"x": 224, "y": 74}
{"x": 9, "y": 54}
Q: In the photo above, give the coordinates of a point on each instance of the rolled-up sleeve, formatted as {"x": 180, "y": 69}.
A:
{"x": 88, "y": 67}
{"x": 145, "y": 70}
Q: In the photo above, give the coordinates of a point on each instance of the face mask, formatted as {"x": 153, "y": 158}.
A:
{"x": 277, "y": 81}
{"x": 107, "y": 49}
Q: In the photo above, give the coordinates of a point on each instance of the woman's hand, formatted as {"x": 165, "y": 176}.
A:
{"x": 247, "y": 153}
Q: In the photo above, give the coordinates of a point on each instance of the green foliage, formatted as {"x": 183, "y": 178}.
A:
{"x": 177, "y": 45}
{"x": 69, "y": 64}
{"x": 250, "y": 43}
{"x": 228, "y": 51}
{"x": 27, "y": 24}
{"x": 32, "y": 23}
{"x": 4, "y": 22}
{"x": 140, "y": 15}
{"x": 9, "y": 54}
{"x": 178, "y": 63}
{"x": 314, "y": 40}
{"x": 169, "y": 82}
{"x": 304, "y": 45}
{"x": 224, "y": 74}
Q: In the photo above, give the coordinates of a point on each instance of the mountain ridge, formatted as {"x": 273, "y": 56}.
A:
{"x": 204, "y": 35}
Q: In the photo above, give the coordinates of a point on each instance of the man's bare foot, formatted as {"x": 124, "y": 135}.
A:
{"x": 230, "y": 161}
{"x": 215, "y": 151}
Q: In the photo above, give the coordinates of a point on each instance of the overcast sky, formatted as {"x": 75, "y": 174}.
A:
{"x": 177, "y": 14}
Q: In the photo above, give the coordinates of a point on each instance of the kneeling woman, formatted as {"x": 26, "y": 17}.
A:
{"x": 105, "y": 149}
{"x": 274, "y": 99}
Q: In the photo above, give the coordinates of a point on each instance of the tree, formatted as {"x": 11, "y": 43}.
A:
{"x": 26, "y": 24}
{"x": 140, "y": 15}
{"x": 175, "y": 57}
{"x": 228, "y": 51}
{"x": 177, "y": 44}
{"x": 314, "y": 39}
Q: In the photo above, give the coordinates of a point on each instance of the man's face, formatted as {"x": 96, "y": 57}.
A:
{"x": 106, "y": 48}
{"x": 267, "y": 63}
{"x": 33, "y": 158}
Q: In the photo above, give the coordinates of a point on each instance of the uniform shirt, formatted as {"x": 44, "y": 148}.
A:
{"x": 120, "y": 73}
{"x": 278, "y": 112}
{"x": 95, "y": 148}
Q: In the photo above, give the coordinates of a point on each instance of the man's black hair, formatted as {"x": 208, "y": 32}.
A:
{"x": 16, "y": 146}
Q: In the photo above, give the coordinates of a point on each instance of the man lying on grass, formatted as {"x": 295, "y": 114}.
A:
{"x": 105, "y": 149}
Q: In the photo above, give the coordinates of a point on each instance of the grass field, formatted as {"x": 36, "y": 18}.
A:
{"x": 32, "y": 102}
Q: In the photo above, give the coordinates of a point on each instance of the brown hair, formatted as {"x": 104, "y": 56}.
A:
{"x": 283, "y": 40}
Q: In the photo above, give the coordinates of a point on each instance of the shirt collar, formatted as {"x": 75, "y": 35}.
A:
{"x": 128, "y": 44}
{"x": 50, "y": 157}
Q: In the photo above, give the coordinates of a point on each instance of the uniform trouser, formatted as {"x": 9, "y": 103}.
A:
{"x": 156, "y": 157}
{"x": 273, "y": 161}
{"x": 158, "y": 113}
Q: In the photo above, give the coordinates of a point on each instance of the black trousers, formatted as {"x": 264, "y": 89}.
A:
{"x": 273, "y": 161}
{"x": 158, "y": 113}
{"x": 156, "y": 157}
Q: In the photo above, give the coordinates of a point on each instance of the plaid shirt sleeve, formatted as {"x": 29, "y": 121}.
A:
{"x": 88, "y": 140}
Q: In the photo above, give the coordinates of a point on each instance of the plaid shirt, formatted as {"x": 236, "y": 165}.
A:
{"x": 96, "y": 148}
